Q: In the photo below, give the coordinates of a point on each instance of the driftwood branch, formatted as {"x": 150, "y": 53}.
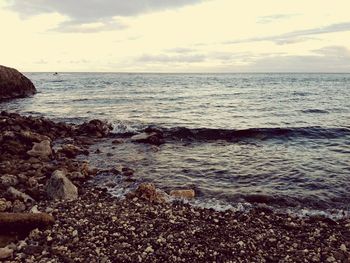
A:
{"x": 19, "y": 222}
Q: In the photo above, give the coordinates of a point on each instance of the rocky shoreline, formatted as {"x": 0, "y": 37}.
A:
{"x": 50, "y": 212}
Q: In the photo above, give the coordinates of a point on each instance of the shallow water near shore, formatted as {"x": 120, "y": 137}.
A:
{"x": 280, "y": 139}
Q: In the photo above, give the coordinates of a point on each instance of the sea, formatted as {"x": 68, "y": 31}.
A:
{"x": 280, "y": 140}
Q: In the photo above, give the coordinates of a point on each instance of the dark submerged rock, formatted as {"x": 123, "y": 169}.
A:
{"x": 13, "y": 84}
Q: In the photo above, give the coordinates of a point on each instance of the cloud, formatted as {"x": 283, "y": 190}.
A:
{"x": 180, "y": 50}
{"x": 297, "y": 36}
{"x": 92, "y": 11}
{"x": 162, "y": 58}
{"x": 274, "y": 18}
{"x": 74, "y": 27}
{"x": 327, "y": 59}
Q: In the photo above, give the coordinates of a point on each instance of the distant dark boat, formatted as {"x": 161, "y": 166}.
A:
{"x": 55, "y": 74}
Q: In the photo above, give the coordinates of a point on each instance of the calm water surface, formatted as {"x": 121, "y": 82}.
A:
{"x": 286, "y": 140}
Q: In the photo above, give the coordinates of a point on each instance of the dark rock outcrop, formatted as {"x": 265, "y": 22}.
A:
{"x": 13, "y": 84}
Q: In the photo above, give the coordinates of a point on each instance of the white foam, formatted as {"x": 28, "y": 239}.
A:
{"x": 120, "y": 127}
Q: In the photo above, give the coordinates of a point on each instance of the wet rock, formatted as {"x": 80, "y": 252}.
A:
{"x": 147, "y": 191}
{"x": 60, "y": 187}
{"x": 7, "y": 180}
{"x": 13, "y": 84}
{"x": 117, "y": 141}
{"x": 17, "y": 222}
{"x": 96, "y": 128}
{"x": 72, "y": 151}
{"x": 88, "y": 170}
{"x": 15, "y": 194}
{"x": 6, "y": 253}
{"x": 42, "y": 150}
{"x": 150, "y": 138}
{"x": 126, "y": 171}
{"x": 186, "y": 193}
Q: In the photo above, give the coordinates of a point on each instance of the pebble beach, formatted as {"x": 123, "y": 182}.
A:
{"x": 142, "y": 227}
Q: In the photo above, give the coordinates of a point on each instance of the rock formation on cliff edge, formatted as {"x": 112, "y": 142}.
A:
{"x": 13, "y": 84}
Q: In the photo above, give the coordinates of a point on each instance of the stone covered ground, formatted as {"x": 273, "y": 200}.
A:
{"x": 94, "y": 227}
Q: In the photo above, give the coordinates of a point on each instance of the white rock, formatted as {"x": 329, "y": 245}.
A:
{"x": 343, "y": 248}
{"x": 41, "y": 149}
{"x": 241, "y": 243}
{"x": 149, "y": 249}
{"x": 34, "y": 210}
{"x": 60, "y": 187}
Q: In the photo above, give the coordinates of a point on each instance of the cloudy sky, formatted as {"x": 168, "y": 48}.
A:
{"x": 176, "y": 35}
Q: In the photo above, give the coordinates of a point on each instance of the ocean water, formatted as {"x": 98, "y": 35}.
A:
{"x": 279, "y": 139}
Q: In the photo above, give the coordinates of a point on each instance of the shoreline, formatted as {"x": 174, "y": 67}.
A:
{"x": 101, "y": 228}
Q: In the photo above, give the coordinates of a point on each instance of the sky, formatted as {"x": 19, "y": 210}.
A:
{"x": 175, "y": 35}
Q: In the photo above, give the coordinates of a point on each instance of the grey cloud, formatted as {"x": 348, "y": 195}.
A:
{"x": 328, "y": 59}
{"x": 180, "y": 50}
{"x": 90, "y": 11}
{"x": 334, "y": 51}
{"x": 274, "y": 18}
{"x": 297, "y": 36}
{"x": 73, "y": 27}
{"x": 171, "y": 59}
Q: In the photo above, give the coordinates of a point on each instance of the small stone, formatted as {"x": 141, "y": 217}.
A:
{"x": 241, "y": 243}
{"x": 149, "y": 249}
{"x": 6, "y": 252}
{"x": 4, "y": 204}
{"x": 8, "y": 180}
{"x": 331, "y": 259}
{"x": 35, "y": 234}
{"x": 18, "y": 206}
{"x": 343, "y": 248}
{"x": 33, "y": 249}
{"x": 48, "y": 209}
{"x": 32, "y": 182}
{"x": 34, "y": 210}
{"x": 74, "y": 233}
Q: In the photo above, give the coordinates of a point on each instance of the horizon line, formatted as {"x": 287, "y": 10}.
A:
{"x": 236, "y": 72}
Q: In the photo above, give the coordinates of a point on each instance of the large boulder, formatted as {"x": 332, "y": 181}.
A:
{"x": 13, "y": 84}
{"x": 60, "y": 187}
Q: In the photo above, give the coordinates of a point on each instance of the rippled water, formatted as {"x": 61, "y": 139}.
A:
{"x": 282, "y": 139}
